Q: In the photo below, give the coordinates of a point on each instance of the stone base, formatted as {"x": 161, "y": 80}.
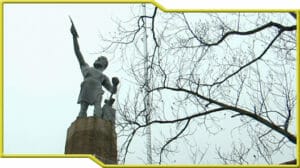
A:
{"x": 93, "y": 136}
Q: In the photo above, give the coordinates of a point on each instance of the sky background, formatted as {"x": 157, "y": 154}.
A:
{"x": 41, "y": 73}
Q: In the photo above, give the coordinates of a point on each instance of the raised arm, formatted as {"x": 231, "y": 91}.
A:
{"x": 76, "y": 45}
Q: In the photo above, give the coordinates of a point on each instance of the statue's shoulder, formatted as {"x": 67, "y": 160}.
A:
{"x": 105, "y": 76}
{"x": 84, "y": 66}
{"x": 85, "y": 69}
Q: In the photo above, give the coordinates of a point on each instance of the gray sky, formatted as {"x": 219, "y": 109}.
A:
{"x": 41, "y": 73}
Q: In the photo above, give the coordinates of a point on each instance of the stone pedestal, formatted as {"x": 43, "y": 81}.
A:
{"x": 93, "y": 136}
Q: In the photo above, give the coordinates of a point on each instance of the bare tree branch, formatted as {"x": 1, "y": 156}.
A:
{"x": 202, "y": 68}
{"x": 241, "y": 111}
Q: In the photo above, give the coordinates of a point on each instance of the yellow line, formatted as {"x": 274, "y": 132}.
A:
{"x": 298, "y": 88}
{"x": 163, "y": 8}
{"x": 160, "y": 6}
{"x": 1, "y": 83}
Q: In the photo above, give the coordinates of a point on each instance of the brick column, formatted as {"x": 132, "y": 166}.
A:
{"x": 93, "y": 136}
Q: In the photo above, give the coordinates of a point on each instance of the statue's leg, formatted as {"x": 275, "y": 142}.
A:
{"x": 83, "y": 109}
{"x": 97, "y": 107}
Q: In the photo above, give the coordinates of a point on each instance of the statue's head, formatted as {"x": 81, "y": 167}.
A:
{"x": 101, "y": 62}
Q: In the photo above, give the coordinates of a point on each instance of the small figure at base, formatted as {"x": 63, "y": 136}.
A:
{"x": 109, "y": 113}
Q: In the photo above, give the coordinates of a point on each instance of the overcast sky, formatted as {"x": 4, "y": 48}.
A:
{"x": 41, "y": 73}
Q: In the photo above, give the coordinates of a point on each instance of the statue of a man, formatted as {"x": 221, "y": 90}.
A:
{"x": 91, "y": 88}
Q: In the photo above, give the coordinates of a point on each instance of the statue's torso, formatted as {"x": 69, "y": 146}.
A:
{"x": 91, "y": 87}
{"x": 91, "y": 73}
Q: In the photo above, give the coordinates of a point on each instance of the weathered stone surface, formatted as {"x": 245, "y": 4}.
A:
{"x": 95, "y": 136}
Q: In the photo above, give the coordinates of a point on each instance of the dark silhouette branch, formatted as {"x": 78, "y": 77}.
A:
{"x": 243, "y": 33}
{"x": 251, "y": 62}
{"x": 183, "y": 61}
{"x": 179, "y": 119}
{"x": 173, "y": 139}
{"x": 241, "y": 111}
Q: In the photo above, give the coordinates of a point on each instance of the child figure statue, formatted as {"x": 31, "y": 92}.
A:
{"x": 91, "y": 88}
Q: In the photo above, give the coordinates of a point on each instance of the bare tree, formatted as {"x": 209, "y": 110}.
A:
{"x": 222, "y": 84}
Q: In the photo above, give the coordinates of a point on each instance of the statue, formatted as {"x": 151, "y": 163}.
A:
{"x": 109, "y": 113}
{"x": 91, "y": 88}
